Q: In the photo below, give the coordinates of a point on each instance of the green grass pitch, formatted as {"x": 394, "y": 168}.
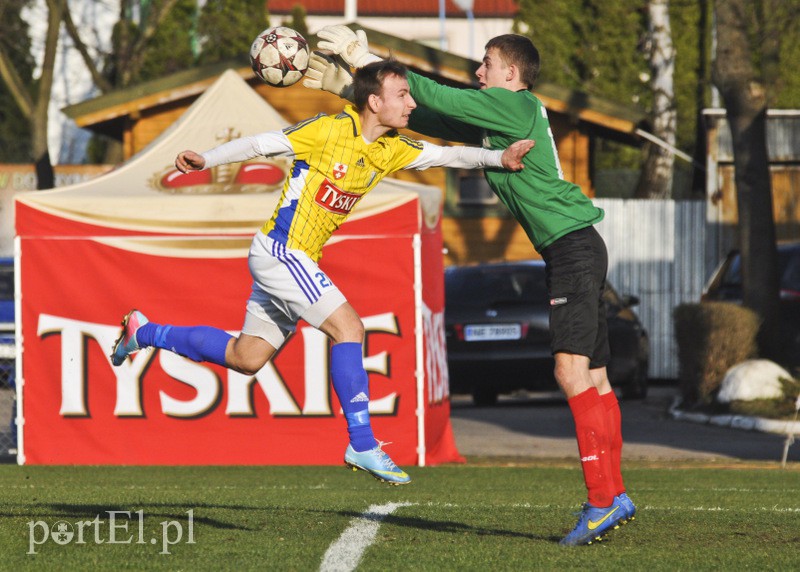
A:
{"x": 486, "y": 515}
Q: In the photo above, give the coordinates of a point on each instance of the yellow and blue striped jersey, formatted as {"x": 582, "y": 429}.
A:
{"x": 333, "y": 168}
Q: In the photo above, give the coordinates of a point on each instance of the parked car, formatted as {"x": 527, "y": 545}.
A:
{"x": 8, "y": 352}
{"x": 7, "y": 347}
{"x": 725, "y": 285}
{"x": 498, "y": 338}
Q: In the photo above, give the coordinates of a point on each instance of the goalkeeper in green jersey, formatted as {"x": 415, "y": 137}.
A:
{"x": 557, "y": 217}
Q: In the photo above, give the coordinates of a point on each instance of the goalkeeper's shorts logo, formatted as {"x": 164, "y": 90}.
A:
{"x": 333, "y": 199}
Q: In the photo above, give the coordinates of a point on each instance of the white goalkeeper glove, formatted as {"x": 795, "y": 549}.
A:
{"x": 352, "y": 46}
{"x": 329, "y": 73}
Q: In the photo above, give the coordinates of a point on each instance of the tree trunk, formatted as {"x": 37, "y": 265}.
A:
{"x": 656, "y": 180}
{"x": 45, "y": 178}
{"x": 746, "y": 110}
{"x": 703, "y": 81}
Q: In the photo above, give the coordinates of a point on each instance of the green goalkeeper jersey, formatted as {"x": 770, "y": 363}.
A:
{"x": 547, "y": 206}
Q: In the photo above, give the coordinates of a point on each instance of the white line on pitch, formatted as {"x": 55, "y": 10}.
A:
{"x": 345, "y": 554}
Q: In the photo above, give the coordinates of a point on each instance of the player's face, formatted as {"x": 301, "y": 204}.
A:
{"x": 493, "y": 71}
{"x": 396, "y": 102}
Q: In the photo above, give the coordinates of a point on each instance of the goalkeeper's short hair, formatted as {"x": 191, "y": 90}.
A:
{"x": 518, "y": 50}
{"x": 369, "y": 80}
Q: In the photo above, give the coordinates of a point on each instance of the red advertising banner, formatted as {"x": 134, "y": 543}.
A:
{"x": 161, "y": 408}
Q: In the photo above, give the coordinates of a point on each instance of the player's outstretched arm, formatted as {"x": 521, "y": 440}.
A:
{"x": 352, "y": 46}
{"x": 189, "y": 161}
{"x": 329, "y": 73}
{"x": 512, "y": 156}
{"x": 467, "y": 157}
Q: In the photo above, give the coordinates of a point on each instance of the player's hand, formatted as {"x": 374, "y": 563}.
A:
{"x": 512, "y": 156}
{"x": 352, "y": 46}
{"x": 190, "y": 161}
{"x": 329, "y": 73}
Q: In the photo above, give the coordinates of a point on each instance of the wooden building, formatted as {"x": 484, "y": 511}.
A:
{"x": 475, "y": 226}
{"x": 783, "y": 146}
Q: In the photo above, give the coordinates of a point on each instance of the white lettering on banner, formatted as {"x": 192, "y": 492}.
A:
{"x": 74, "y": 375}
{"x": 73, "y": 367}
{"x": 379, "y": 363}
{"x": 317, "y": 368}
{"x": 202, "y": 379}
{"x": 240, "y": 400}
{"x": 435, "y": 355}
{"x": 129, "y": 384}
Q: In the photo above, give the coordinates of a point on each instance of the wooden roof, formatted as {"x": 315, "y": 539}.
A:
{"x": 103, "y": 114}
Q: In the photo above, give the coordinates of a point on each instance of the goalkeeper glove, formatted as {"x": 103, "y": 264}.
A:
{"x": 352, "y": 46}
{"x": 329, "y": 73}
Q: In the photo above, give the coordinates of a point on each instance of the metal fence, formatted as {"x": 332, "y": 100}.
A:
{"x": 659, "y": 251}
{"x": 8, "y": 413}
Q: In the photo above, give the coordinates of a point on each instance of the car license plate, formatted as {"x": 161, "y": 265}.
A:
{"x": 488, "y": 332}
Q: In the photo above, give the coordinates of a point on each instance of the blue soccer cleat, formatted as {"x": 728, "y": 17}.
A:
{"x": 628, "y": 508}
{"x": 376, "y": 463}
{"x": 594, "y": 523}
{"x": 126, "y": 343}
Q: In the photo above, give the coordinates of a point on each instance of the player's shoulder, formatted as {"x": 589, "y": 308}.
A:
{"x": 318, "y": 119}
{"x": 408, "y": 141}
{"x": 522, "y": 96}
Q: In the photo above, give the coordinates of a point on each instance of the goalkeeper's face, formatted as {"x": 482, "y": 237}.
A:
{"x": 493, "y": 71}
{"x": 394, "y": 104}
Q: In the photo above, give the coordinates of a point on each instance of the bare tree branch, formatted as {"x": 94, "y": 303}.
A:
{"x": 137, "y": 50}
{"x": 97, "y": 77}
{"x": 15, "y": 84}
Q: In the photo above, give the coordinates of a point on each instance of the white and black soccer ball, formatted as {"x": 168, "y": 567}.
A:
{"x": 279, "y": 56}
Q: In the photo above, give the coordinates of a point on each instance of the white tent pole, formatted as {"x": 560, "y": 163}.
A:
{"x": 350, "y": 10}
{"x": 419, "y": 337}
{"x": 442, "y": 40}
{"x": 19, "y": 382}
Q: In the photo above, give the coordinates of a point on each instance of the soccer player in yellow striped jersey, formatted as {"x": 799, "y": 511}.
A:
{"x": 334, "y": 167}
{"x": 337, "y": 160}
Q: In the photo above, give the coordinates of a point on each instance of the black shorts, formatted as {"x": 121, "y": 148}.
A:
{"x": 576, "y": 267}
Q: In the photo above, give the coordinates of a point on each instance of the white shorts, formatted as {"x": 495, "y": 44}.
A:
{"x": 287, "y": 285}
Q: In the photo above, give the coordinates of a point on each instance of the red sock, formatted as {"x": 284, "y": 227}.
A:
{"x": 614, "y": 417}
{"x": 589, "y": 414}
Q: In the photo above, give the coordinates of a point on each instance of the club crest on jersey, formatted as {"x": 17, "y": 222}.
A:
{"x": 339, "y": 170}
{"x": 333, "y": 199}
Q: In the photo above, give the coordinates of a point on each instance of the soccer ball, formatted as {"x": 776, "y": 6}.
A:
{"x": 279, "y": 56}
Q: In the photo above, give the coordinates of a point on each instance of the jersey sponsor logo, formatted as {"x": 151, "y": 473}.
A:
{"x": 558, "y": 301}
{"x": 335, "y": 200}
{"x": 360, "y": 162}
{"x": 339, "y": 171}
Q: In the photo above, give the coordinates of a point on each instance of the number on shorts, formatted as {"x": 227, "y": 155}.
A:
{"x": 323, "y": 280}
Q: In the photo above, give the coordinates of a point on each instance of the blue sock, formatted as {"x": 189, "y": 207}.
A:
{"x": 198, "y": 343}
{"x": 351, "y": 384}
